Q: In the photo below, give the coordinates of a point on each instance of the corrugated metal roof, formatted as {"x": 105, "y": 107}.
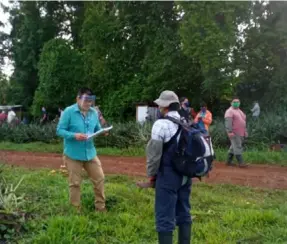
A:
{"x": 5, "y": 107}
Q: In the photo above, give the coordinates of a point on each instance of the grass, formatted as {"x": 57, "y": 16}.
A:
{"x": 251, "y": 156}
{"x": 222, "y": 213}
{"x": 58, "y": 148}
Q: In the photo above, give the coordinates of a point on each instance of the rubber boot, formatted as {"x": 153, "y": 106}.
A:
{"x": 240, "y": 161}
{"x": 184, "y": 234}
{"x": 164, "y": 237}
{"x": 229, "y": 159}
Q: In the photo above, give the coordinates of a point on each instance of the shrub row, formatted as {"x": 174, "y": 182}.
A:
{"x": 269, "y": 128}
{"x": 122, "y": 136}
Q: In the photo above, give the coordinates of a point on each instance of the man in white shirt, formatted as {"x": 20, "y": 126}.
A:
{"x": 172, "y": 191}
{"x": 255, "y": 110}
{"x": 11, "y": 116}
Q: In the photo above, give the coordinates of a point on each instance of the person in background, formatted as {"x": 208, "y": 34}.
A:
{"x": 56, "y": 119}
{"x": 235, "y": 124}
{"x": 158, "y": 114}
{"x": 44, "y": 118}
{"x": 186, "y": 111}
{"x": 76, "y": 123}
{"x": 11, "y": 116}
{"x": 3, "y": 117}
{"x": 193, "y": 113}
{"x": 204, "y": 117}
{"x": 100, "y": 116}
{"x": 25, "y": 121}
{"x": 172, "y": 191}
{"x": 60, "y": 110}
{"x": 255, "y": 110}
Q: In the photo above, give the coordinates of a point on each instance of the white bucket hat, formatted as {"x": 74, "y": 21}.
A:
{"x": 166, "y": 98}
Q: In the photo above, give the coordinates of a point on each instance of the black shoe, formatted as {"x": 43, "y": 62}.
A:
{"x": 164, "y": 237}
{"x": 184, "y": 234}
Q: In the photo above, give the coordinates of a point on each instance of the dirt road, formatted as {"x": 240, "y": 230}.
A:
{"x": 262, "y": 176}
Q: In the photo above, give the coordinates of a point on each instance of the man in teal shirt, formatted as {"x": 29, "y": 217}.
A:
{"x": 76, "y": 123}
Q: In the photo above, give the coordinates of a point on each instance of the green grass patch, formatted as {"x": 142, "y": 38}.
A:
{"x": 251, "y": 156}
{"x": 255, "y": 156}
{"x": 58, "y": 148}
{"x": 32, "y": 147}
{"x": 222, "y": 213}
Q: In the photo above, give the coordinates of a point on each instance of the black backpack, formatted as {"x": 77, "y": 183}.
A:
{"x": 194, "y": 153}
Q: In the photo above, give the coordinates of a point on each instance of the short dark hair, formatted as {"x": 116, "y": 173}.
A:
{"x": 85, "y": 90}
{"x": 235, "y": 97}
{"x": 203, "y": 104}
{"x": 173, "y": 107}
{"x": 182, "y": 99}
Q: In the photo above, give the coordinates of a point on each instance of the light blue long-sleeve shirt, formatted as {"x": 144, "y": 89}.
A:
{"x": 71, "y": 122}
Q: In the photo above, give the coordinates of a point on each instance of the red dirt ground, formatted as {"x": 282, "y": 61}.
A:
{"x": 262, "y": 176}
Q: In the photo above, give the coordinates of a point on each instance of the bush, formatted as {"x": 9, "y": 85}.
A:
{"x": 28, "y": 133}
{"x": 126, "y": 135}
{"x": 122, "y": 136}
{"x": 269, "y": 128}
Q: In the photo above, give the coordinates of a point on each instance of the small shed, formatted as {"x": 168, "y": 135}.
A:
{"x": 146, "y": 112}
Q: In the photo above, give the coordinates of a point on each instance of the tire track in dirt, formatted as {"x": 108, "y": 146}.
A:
{"x": 262, "y": 176}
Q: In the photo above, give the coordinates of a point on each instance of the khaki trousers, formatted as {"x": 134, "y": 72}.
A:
{"x": 96, "y": 174}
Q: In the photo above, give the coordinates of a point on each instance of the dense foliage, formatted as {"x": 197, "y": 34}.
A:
{"x": 128, "y": 52}
{"x": 272, "y": 128}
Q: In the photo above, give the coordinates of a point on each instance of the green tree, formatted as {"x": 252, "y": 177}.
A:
{"x": 61, "y": 74}
{"x": 209, "y": 32}
{"x": 4, "y": 87}
{"x": 28, "y": 35}
{"x": 33, "y": 24}
{"x": 262, "y": 57}
{"x": 134, "y": 54}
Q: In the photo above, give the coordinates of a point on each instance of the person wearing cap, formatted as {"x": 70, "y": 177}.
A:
{"x": 172, "y": 191}
{"x": 76, "y": 123}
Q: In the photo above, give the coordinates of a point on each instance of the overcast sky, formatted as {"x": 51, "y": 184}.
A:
{"x": 8, "y": 67}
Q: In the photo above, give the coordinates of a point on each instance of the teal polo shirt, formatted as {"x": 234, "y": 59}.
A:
{"x": 73, "y": 121}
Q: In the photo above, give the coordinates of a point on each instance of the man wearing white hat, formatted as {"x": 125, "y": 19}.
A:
{"x": 172, "y": 191}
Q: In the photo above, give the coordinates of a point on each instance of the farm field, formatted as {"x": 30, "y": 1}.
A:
{"x": 222, "y": 213}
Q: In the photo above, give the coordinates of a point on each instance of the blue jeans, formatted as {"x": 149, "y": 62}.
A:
{"x": 172, "y": 206}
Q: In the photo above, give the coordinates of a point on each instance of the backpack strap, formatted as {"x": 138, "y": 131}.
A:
{"x": 182, "y": 124}
{"x": 176, "y": 121}
{"x": 174, "y": 137}
{"x": 166, "y": 145}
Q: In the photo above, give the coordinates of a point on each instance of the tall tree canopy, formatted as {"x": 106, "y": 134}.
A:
{"x": 128, "y": 52}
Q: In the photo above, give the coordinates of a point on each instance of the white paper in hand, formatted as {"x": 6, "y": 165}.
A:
{"x": 101, "y": 131}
